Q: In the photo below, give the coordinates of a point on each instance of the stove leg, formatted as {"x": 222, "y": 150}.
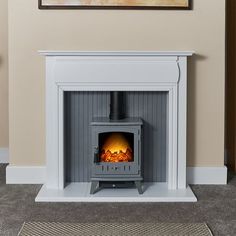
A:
{"x": 94, "y": 187}
{"x": 139, "y": 187}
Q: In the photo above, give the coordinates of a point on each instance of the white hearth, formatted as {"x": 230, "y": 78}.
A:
{"x": 116, "y": 71}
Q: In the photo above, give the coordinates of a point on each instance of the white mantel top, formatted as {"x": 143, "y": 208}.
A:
{"x": 116, "y": 53}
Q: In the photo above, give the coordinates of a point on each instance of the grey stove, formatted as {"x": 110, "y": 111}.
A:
{"x": 116, "y": 148}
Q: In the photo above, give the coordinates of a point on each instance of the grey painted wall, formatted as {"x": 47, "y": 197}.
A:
{"x": 80, "y": 107}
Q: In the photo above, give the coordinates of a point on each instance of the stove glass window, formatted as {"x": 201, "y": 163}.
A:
{"x": 116, "y": 147}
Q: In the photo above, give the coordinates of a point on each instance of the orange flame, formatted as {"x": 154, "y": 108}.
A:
{"x": 116, "y": 149}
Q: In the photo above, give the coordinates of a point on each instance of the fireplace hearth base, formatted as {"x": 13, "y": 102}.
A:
{"x": 80, "y": 192}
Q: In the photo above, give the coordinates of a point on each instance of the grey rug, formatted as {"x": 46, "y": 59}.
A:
{"x": 103, "y": 229}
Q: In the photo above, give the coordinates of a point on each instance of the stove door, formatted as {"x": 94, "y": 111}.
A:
{"x": 104, "y": 158}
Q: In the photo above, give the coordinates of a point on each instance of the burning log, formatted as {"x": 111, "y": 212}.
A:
{"x": 120, "y": 156}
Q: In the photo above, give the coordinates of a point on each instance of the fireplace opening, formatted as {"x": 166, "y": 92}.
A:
{"x": 116, "y": 147}
{"x": 87, "y": 125}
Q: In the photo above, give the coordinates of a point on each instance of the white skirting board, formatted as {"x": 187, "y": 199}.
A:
{"x": 4, "y": 155}
{"x": 207, "y": 175}
{"x": 37, "y": 175}
{"x": 25, "y": 174}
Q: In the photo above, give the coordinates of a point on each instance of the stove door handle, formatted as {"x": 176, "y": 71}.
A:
{"x": 96, "y": 155}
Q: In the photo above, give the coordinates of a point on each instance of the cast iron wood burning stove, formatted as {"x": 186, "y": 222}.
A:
{"x": 116, "y": 148}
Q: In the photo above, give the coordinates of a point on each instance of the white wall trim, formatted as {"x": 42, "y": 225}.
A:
{"x": 4, "y": 155}
{"x": 37, "y": 175}
{"x": 25, "y": 174}
{"x": 207, "y": 175}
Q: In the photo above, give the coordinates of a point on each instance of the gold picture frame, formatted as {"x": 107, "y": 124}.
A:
{"x": 115, "y": 4}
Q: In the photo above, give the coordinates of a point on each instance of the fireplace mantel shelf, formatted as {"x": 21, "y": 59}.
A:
{"x": 116, "y": 53}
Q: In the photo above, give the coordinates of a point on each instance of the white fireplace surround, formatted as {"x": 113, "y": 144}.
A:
{"x": 116, "y": 71}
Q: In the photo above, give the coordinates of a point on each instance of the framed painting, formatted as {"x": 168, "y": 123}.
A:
{"x": 117, "y": 4}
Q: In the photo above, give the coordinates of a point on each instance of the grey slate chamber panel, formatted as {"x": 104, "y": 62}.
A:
{"x": 80, "y": 107}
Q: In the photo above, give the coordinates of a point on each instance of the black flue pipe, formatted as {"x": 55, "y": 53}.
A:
{"x": 117, "y": 105}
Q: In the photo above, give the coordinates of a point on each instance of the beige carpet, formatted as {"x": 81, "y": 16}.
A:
{"x": 104, "y": 229}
